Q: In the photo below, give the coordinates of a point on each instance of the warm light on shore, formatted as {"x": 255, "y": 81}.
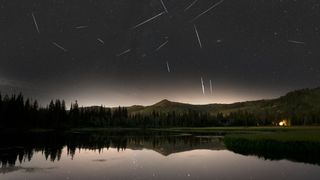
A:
{"x": 283, "y": 123}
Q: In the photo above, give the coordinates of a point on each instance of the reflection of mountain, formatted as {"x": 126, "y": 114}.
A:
{"x": 179, "y": 144}
{"x": 22, "y": 147}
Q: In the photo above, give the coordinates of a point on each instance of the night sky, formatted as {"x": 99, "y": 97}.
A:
{"x": 92, "y": 50}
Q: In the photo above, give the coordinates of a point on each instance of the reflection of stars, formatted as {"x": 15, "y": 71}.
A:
{"x": 134, "y": 161}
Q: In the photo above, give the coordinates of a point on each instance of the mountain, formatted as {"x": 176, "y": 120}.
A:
{"x": 168, "y": 106}
{"x": 300, "y": 101}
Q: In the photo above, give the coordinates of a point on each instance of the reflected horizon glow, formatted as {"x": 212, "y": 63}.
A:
{"x": 148, "y": 164}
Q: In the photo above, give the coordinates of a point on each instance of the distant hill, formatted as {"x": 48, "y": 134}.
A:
{"x": 300, "y": 101}
{"x": 168, "y": 106}
{"x": 301, "y": 107}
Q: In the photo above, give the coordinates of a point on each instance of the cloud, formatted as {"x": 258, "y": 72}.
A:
{"x": 10, "y": 84}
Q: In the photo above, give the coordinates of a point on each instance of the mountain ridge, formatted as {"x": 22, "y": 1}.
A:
{"x": 298, "y": 100}
{"x": 304, "y": 101}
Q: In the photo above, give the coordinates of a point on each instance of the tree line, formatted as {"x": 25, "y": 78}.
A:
{"x": 16, "y": 112}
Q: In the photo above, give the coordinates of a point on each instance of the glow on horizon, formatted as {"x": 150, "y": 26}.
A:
{"x": 183, "y": 92}
{"x": 195, "y": 100}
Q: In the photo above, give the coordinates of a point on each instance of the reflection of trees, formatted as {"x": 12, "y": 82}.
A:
{"x": 22, "y": 147}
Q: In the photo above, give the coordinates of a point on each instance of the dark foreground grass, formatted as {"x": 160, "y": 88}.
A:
{"x": 300, "y": 144}
{"x": 283, "y": 134}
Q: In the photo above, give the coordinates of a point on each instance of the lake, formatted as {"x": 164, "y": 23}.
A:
{"x": 142, "y": 155}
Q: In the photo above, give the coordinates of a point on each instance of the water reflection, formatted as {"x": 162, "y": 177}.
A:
{"x": 10, "y": 169}
{"x": 22, "y": 147}
{"x": 141, "y": 155}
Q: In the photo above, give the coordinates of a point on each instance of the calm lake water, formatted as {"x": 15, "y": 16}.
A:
{"x": 142, "y": 155}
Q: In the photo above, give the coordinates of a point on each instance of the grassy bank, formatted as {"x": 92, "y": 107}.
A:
{"x": 283, "y": 134}
{"x": 301, "y": 144}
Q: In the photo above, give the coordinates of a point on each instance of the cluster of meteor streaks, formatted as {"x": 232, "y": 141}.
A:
{"x": 165, "y": 11}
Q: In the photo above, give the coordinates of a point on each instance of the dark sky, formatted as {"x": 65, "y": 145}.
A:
{"x": 251, "y": 49}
